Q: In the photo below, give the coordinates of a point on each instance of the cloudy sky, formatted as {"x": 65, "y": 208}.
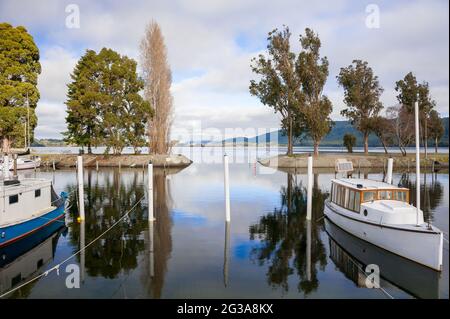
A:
{"x": 211, "y": 42}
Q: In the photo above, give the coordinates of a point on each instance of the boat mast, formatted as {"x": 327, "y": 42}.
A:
{"x": 416, "y": 120}
{"x": 28, "y": 122}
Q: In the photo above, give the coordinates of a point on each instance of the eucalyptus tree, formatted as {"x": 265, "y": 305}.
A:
{"x": 410, "y": 91}
{"x": 279, "y": 84}
{"x": 19, "y": 71}
{"x": 362, "y": 93}
{"x": 312, "y": 71}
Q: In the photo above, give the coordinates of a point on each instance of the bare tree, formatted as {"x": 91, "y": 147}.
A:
{"x": 158, "y": 79}
{"x": 403, "y": 126}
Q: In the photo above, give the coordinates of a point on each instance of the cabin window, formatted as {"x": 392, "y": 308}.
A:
{"x": 13, "y": 199}
{"x": 351, "y": 200}
{"x": 385, "y": 194}
{"x": 357, "y": 201}
{"x": 400, "y": 195}
{"x": 37, "y": 193}
{"x": 369, "y": 196}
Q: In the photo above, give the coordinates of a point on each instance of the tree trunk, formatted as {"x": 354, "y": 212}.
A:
{"x": 290, "y": 148}
{"x": 384, "y": 146}
{"x": 89, "y": 148}
{"x": 435, "y": 145}
{"x": 366, "y": 143}
{"x": 426, "y": 138}
{"x": 316, "y": 148}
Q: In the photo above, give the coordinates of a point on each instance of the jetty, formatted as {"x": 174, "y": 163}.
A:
{"x": 128, "y": 160}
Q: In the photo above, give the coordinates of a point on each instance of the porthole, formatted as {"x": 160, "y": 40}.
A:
{"x": 365, "y": 212}
{"x": 3, "y": 234}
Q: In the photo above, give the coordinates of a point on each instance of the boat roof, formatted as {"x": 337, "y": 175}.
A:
{"x": 23, "y": 183}
{"x": 365, "y": 184}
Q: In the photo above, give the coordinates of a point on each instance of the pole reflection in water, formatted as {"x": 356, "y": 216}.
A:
{"x": 287, "y": 244}
{"x": 226, "y": 253}
{"x": 82, "y": 249}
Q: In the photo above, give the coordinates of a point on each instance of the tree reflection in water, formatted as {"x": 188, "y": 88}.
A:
{"x": 109, "y": 195}
{"x": 283, "y": 238}
{"x": 431, "y": 192}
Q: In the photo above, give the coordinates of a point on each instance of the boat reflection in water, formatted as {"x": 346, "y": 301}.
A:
{"x": 351, "y": 255}
{"x": 28, "y": 257}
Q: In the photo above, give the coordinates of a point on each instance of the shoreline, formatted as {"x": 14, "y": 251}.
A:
{"x": 124, "y": 160}
{"x": 372, "y": 160}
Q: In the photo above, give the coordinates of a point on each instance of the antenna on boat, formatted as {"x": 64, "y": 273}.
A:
{"x": 416, "y": 120}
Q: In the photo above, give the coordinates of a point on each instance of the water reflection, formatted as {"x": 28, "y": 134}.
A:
{"x": 288, "y": 243}
{"x": 134, "y": 241}
{"x": 351, "y": 255}
{"x": 27, "y": 258}
{"x": 431, "y": 192}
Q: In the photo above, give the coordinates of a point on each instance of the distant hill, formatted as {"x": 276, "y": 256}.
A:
{"x": 47, "y": 142}
{"x": 334, "y": 138}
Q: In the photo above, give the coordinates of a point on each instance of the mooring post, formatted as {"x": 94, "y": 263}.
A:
{"x": 390, "y": 166}
{"x": 53, "y": 164}
{"x": 150, "y": 191}
{"x": 120, "y": 165}
{"x": 310, "y": 186}
{"x": 96, "y": 165}
{"x": 227, "y": 188}
{"x": 80, "y": 186}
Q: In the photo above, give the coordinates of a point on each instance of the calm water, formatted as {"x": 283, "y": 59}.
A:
{"x": 263, "y": 253}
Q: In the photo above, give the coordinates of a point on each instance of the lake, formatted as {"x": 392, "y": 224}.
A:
{"x": 267, "y": 251}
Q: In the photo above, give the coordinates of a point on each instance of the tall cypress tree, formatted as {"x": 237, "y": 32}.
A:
{"x": 19, "y": 70}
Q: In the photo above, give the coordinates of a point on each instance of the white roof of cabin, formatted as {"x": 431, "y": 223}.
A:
{"x": 25, "y": 184}
{"x": 367, "y": 184}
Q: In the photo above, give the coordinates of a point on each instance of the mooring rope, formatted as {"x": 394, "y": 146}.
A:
{"x": 56, "y": 267}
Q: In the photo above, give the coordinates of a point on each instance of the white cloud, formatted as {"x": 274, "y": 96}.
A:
{"x": 212, "y": 66}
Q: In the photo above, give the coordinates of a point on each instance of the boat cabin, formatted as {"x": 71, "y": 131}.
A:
{"x": 350, "y": 193}
{"x": 23, "y": 199}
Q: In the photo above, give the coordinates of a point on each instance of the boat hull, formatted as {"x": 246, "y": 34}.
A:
{"x": 423, "y": 247}
{"x": 11, "y": 234}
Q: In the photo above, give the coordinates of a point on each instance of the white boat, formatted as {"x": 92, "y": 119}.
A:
{"x": 380, "y": 213}
{"x": 22, "y": 163}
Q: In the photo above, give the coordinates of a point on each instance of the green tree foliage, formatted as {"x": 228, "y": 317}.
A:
{"x": 349, "y": 142}
{"x": 313, "y": 72}
{"x": 19, "y": 70}
{"x": 104, "y": 105}
{"x": 436, "y": 128}
{"x": 279, "y": 84}
{"x": 362, "y": 95}
{"x": 410, "y": 91}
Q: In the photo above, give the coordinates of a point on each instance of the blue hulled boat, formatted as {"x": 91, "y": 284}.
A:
{"x": 26, "y": 206}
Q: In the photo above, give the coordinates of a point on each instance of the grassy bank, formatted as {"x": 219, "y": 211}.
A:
{"x": 128, "y": 160}
{"x": 372, "y": 160}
